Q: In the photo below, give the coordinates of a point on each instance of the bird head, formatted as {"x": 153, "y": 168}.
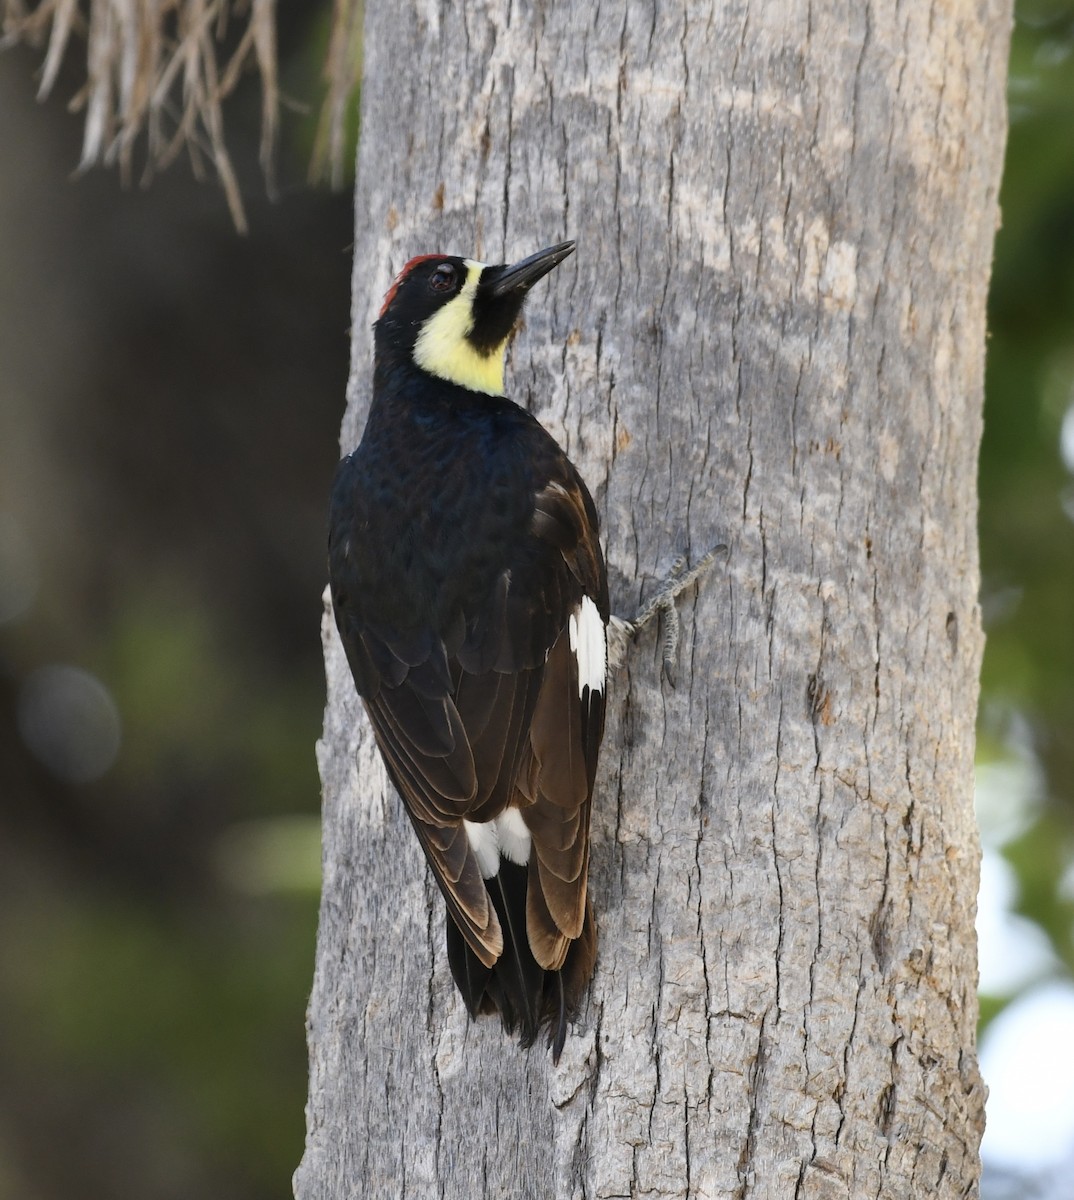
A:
{"x": 453, "y": 317}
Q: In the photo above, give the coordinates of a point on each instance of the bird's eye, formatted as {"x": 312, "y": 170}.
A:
{"x": 443, "y": 278}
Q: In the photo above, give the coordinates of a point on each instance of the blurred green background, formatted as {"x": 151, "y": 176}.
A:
{"x": 1026, "y": 484}
{"x": 170, "y": 396}
{"x": 170, "y": 399}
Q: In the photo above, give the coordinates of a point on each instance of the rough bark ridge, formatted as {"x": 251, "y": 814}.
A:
{"x": 772, "y": 335}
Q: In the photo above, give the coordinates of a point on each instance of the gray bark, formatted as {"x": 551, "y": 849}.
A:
{"x": 772, "y": 335}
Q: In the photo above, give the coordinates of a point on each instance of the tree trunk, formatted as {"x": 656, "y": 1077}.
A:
{"x": 772, "y": 335}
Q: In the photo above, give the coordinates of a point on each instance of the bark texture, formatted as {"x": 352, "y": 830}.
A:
{"x": 772, "y": 335}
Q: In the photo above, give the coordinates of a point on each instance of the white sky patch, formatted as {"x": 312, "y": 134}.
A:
{"x": 1027, "y": 1059}
{"x": 1027, "y": 1052}
{"x": 1066, "y": 439}
{"x": 589, "y": 641}
{"x": 1007, "y": 796}
{"x": 1013, "y": 950}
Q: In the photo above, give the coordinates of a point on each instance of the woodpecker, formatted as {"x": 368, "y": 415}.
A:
{"x": 471, "y": 598}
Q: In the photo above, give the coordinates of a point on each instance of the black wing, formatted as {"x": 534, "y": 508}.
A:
{"x": 484, "y": 708}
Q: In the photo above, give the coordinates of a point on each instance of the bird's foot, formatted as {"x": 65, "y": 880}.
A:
{"x": 661, "y": 604}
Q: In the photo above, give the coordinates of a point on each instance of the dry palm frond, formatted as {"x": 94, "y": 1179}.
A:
{"x": 162, "y": 69}
{"x": 342, "y": 71}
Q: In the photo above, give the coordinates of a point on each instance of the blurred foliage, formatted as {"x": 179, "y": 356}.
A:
{"x": 170, "y": 398}
{"x": 1027, "y": 493}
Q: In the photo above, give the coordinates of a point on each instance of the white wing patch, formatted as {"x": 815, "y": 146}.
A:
{"x": 486, "y": 847}
{"x": 514, "y": 836}
{"x": 589, "y": 641}
{"x": 506, "y": 834}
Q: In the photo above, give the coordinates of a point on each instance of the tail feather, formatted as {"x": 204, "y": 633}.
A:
{"x": 469, "y": 972}
{"x": 516, "y": 983}
{"x": 526, "y": 996}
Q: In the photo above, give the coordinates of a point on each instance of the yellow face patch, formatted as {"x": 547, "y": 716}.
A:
{"x": 444, "y": 349}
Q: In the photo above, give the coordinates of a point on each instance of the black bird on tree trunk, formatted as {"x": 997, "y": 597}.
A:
{"x": 470, "y": 594}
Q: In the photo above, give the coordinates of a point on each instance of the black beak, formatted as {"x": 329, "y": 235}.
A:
{"x": 519, "y": 277}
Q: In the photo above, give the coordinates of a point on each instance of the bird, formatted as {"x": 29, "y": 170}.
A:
{"x": 470, "y": 594}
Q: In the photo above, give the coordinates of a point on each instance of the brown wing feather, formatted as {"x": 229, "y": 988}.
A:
{"x": 448, "y": 781}
{"x": 446, "y": 847}
{"x": 499, "y": 744}
{"x": 548, "y": 943}
{"x": 556, "y": 785}
{"x": 466, "y": 772}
